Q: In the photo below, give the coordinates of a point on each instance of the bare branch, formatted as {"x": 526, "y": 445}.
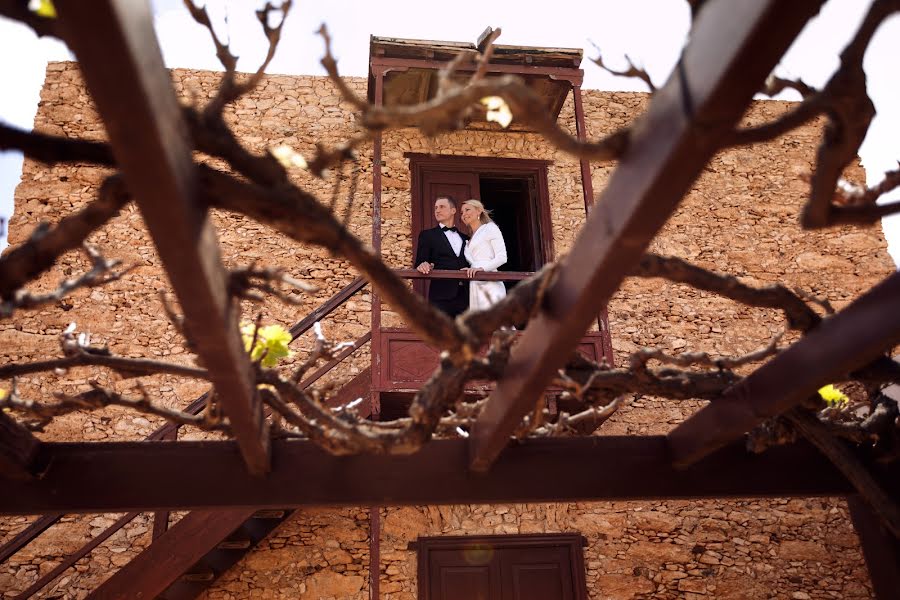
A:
{"x": 640, "y": 358}
{"x": 849, "y": 465}
{"x": 247, "y": 282}
{"x": 631, "y": 71}
{"x": 46, "y": 244}
{"x": 50, "y": 149}
{"x": 101, "y": 273}
{"x": 99, "y": 398}
{"x": 229, "y": 89}
{"x": 775, "y": 85}
{"x": 448, "y": 112}
{"x": 79, "y": 353}
{"x": 799, "y": 315}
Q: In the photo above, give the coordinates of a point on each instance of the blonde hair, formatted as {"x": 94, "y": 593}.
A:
{"x": 485, "y": 215}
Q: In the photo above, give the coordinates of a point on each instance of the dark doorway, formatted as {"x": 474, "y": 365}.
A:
{"x": 512, "y": 208}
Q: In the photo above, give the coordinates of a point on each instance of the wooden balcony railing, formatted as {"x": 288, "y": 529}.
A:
{"x": 479, "y": 275}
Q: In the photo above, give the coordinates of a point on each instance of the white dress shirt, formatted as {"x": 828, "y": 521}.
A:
{"x": 455, "y": 241}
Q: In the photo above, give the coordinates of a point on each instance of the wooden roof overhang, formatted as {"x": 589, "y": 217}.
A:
{"x": 410, "y": 70}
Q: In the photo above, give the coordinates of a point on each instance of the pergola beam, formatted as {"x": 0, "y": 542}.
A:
{"x": 122, "y": 65}
{"x": 18, "y": 449}
{"x": 839, "y": 345}
{"x": 733, "y": 47}
{"x": 148, "y": 476}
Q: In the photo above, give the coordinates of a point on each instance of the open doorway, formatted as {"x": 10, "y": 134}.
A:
{"x": 515, "y": 190}
{"x": 511, "y": 205}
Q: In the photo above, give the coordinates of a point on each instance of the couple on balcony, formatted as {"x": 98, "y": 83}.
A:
{"x": 445, "y": 248}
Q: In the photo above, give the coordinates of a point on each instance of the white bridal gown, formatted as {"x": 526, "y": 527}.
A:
{"x": 487, "y": 250}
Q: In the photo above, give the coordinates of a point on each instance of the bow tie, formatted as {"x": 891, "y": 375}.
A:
{"x": 448, "y": 228}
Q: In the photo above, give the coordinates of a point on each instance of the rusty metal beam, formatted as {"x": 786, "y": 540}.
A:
{"x": 127, "y": 476}
{"x": 733, "y": 47}
{"x": 839, "y": 345}
{"x": 121, "y": 62}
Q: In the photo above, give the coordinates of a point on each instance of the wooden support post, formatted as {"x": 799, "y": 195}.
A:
{"x": 374, "y": 553}
{"x": 121, "y": 62}
{"x": 587, "y": 188}
{"x": 18, "y": 449}
{"x": 840, "y": 344}
{"x": 880, "y": 549}
{"x": 587, "y": 184}
{"x": 375, "y": 346}
{"x": 733, "y": 48}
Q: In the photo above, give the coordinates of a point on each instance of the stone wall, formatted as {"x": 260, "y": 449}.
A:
{"x": 741, "y": 216}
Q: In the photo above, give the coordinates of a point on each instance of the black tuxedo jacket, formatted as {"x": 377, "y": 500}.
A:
{"x": 434, "y": 247}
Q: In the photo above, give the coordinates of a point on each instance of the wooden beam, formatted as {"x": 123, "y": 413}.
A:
{"x": 18, "y": 449}
{"x": 840, "y": 344}
{"x": 120, "y": 476}
{"x": 121, "y": 62}
{"x": 733, "y": 47}
{"x": 880, "y": 549}
{"x": 73, "y": 558}
{"x": 24, "y": 537}
{"x": 165, "y": 560}
{"x": 327, "y": 307}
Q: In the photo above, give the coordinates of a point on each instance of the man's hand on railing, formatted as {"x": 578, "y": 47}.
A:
{"x": 425, "y": 267}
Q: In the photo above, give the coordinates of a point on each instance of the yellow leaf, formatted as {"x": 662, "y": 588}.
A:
{"x": 271, "y": 343}
{"x": 3, "y": 394}
{"x": 43, "y": 8}
{"x": 497, "y": 110}
{"x": 833, "y": 396}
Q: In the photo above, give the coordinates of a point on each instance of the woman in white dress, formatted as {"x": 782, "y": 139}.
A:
{"x": 485, "y": 251}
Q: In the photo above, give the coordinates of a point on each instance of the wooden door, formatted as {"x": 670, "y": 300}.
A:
{"x": 540, "y": 573}
{"x": 525, "y": 567}
{"x": 463, "y": 575}
{"x": 461, "y": 185}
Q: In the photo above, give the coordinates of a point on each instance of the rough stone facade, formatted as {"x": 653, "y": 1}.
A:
{"x": 740, "y": 217}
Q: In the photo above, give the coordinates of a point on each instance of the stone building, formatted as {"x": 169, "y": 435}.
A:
{"x": 741, "y": 217}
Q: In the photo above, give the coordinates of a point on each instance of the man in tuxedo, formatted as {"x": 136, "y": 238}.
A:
{"x": 442, "y": 247}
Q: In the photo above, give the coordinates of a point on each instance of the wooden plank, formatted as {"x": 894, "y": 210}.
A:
{"x": 839, "y": 345}
{"x": 121, "y": 62}
{"x": 733, "y": 47}
{"x": 177, "y": 550}
{"x": 18, "y": 449}
{"x": 880, "y": 549}
{"x": 119, "y": 476}
{"x": 73, "y": 558}
{"x": 328, "y": 307}
{"x": 339, "y": 357}
{"x": 22, "y": 539}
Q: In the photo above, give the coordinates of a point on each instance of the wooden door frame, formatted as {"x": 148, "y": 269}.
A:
{"x": 573, "y": 541}
{"x": 486, "y": 165}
